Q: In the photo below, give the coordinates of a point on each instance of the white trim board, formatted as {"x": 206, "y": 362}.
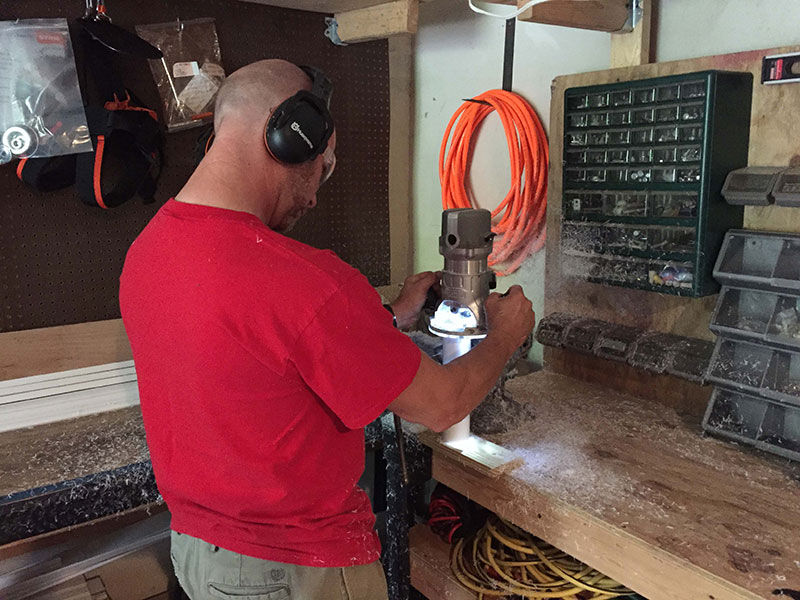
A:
{"x": 39, "y": 399}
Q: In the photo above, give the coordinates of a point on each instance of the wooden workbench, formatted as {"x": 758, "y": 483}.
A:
{"x": 633, "y": 489}
{"x": 58, "y": 476}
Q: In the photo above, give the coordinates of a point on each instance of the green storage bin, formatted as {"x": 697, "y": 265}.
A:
{"x": 643, "y": 167}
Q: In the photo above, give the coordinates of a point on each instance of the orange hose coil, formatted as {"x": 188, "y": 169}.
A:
{"x": 521, "y": 226}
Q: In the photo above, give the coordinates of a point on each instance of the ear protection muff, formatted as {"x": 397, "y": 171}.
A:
{"x": 300, "y": 127}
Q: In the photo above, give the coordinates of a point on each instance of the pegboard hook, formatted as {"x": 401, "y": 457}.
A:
{"x": 332, "y": 31}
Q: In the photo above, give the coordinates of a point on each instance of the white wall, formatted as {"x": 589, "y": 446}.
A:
{"x": 459, "y": 54}
{"x": 692, "y": 28}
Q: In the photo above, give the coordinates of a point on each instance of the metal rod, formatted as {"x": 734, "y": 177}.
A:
{"x": 401, "y": 447}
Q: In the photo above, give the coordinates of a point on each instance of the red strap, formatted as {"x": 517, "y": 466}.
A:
{"x": 118, "y": 104}
{"x": 98, "y": 163}
{"x": 21, "y": 166}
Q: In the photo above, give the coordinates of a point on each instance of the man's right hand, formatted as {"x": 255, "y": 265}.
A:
{"x": 510, "y": 315}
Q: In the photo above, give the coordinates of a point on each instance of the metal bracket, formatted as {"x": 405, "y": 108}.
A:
{"x": 332, "y": 31}
{"x": 635, "y": 14}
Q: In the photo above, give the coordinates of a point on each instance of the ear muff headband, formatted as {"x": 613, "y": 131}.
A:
{"x": 299, "y": 129}
{"x": 321, "y": 86}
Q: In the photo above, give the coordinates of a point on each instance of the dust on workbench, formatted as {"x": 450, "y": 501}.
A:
{"x": 643, "y": 467}
{"x": 56, "y": 452}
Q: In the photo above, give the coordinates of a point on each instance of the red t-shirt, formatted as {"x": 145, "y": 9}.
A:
{"x": 260, "y": 360}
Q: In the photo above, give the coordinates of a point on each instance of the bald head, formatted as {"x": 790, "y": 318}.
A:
{"x": 251, "y": 93}
{"x": 239, "y": 172}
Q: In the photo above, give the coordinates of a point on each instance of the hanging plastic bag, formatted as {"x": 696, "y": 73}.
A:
{"x": 41, "y": 109}
{"x": 190, "y": 72}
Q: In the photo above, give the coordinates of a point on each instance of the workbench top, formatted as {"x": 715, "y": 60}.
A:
{"x": 634, "y": 489}
{"x": 69, "y": 472}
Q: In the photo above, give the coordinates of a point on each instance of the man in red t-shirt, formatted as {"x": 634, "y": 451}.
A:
{"x": 261, "y": 359}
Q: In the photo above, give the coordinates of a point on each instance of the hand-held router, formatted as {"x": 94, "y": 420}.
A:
{"x": 466, "y": 280}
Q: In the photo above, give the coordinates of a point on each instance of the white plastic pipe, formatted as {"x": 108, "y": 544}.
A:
{"x": 452, "y": 348}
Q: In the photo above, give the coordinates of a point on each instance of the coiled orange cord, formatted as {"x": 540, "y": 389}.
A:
{"x": 521, "y": 227}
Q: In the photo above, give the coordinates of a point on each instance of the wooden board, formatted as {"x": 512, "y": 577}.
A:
{"x": 600, "y": 15}
{"x": 632, "y": 489}
{"x": 489, "y": 458}
{"x": 74, "y": 589}
{"x": 89, "y": 530}
{"x": 321, "y": 6}
{"x": 401, "y": 109}
{"x": 51, "y": 349}
{"x": 430, "y": 567}
{"x": 65, "y": 347}
{"x": 375, "y": 22}
{"x": 682, "y": 395}
{"x": 774, "y": 132}
{"x": 633, "y": 47}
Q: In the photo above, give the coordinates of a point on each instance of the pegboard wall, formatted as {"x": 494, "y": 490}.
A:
{"x": 60, "y": 261}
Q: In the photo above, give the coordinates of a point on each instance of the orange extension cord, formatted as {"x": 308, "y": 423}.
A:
{"x": 521, "y": 227}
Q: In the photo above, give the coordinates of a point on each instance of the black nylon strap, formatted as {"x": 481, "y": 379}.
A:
{"x": 508, "y": 54}
{"x": 321, "y": 86}
{"x": 102, "y": 74}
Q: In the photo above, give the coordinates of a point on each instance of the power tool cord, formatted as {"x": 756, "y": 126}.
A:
{"x": 521, "y": 214}
{"x": 502, "y": 559}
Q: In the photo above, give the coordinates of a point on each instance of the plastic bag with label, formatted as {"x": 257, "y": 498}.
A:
{"x": 41, "y": 109}
{"x": 190, "y": 72}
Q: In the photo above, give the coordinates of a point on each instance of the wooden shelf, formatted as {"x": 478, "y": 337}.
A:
{"x": 634, "y": 490}
{"x": 361, "y": 20}
{"x": 321, "y": 6}
{"x": 600, "y": 15}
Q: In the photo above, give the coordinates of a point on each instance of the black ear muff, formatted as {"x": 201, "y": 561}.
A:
{"x": 299, "y": 129}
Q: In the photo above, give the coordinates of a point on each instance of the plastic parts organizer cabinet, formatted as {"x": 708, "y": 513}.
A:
{"x": 644, "y": 164}
{"x": 756, "y": 362}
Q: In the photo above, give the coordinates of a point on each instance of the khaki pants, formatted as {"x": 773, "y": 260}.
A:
{"x": 208, "y": 572}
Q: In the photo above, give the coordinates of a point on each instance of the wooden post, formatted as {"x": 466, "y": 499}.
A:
{"x": 633, "y": 48}
{"x": 401, "y": 136}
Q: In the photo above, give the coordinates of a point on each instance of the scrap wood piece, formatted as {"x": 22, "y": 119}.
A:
{"x": 475, "y": 452}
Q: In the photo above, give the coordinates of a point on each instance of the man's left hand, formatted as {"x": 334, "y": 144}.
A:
{"x": 412, "y": 297}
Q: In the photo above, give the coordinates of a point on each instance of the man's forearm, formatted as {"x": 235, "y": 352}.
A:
{"x": 478, "y": 371}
